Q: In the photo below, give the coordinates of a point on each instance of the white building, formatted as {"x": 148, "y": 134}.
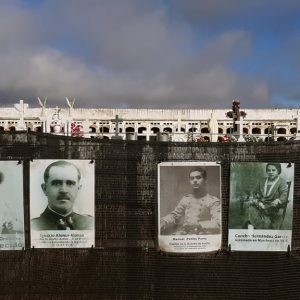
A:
{"x": 146, "y": 124}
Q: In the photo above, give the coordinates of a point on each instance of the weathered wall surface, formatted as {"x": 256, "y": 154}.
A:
{"x": 151, "y": 114}
{"x": 126, "y": 263}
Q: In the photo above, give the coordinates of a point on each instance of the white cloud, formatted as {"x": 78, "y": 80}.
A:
{"x": 125, "y": 52}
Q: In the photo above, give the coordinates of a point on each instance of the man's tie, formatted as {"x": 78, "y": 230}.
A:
{"x": 65, "y": 223}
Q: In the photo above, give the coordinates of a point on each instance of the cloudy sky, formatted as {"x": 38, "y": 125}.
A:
{"x": 158, "y": 53}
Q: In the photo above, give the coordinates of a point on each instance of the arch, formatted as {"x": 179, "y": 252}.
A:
{"x": 268, "y": 130}
{"x": 29, "y": 127}
{"x": 56, "y": 128}
{"x": 182, "y": 129}
{"x": 293, "y": 130}
{"x": 193, "y": 129}
{"x": 155, "y": 129}
{"x": 281, "y": 138}
{"x": 220, "y": 130}
{"x": 141, "y": 129}
{"x": 167, "y": 129}
{"x": 1, "y": 128}
{"x": 104, "y": 129}
{"x": 105, "y": 137}
{"x": 281, "y": 130}
{"x": 206, "y": 138}
{"x": 256, "y": 130}
{"x": 38, "y": 129}
{"x": 229, "y": 130}
{"x": 204, "y": 130}
{"x": 245, "y": 130}
{"x": 12, "y": 128}
{"x": 129, "y": 129}
{"x": 92, "y": 129}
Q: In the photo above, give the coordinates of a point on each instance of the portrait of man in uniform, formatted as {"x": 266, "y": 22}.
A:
{"x": 62, "y": 183}
{"x": 197, "y": 211}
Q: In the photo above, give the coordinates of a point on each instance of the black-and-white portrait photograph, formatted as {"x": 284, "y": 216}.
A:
{"x": 261, "y": 202}
{"x": 62, "y": 194}
{"x": 189, "y": 206}
{"x": 11, "y": 206}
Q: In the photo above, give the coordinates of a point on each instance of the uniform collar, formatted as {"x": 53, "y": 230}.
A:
{"x": 58, "y": 214}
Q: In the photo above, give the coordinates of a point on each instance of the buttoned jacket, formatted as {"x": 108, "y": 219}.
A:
{"x": 204, "y": 211}
{"x": 49, "y": 220}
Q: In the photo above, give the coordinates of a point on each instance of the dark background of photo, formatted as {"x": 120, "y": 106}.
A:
{"x": 125, "y": 262}
{"x": 175, "y": 183}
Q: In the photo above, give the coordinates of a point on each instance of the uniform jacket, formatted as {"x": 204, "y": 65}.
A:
{"x": 49, "y": 220}
{"x": 204, "y": 211}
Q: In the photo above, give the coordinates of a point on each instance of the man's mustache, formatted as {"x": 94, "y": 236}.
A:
{"x": 63, "y": 197}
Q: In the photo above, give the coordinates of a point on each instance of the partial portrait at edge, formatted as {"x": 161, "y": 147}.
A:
{"x": 11, "y": 206}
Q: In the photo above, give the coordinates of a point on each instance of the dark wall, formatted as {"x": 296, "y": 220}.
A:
{"x": 126, "y": 263}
